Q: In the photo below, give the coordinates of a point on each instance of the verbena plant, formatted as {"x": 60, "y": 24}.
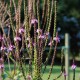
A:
{"x": 25, "y": 34}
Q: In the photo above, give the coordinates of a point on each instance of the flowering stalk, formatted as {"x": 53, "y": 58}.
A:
{"x": 28, "y": 44}
{"x": 52, "y": 63}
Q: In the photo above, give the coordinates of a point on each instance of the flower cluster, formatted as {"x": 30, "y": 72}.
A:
{"x": 73, "y": 66}
{"x": 21, "y": 30}
{"x": 11, "y": 47}
{"x": 3, "y": 48}
{"x": 33, "y": 21}
{"x": 17, "y": 38}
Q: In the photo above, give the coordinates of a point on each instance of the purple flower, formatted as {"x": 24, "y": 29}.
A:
{"x": 1, "y": 38}
{"x": 50, "y": 43}
{"x": 34, "y": 21}
{"x": 17, "y": 39}
{"x": 41, "y": 37}
{"x": 39, "y": 30}
{"x": 56, "y": 39}
{"x": 1, "y": 59}
{"x": 1, "y": 66}
{"x": 28, "y": 39}
{"x": 11, "y": 47}
{"x": 29, "y": 45}
{"x": 47, "y": 33}
{"x": 34, "y": 44}
{"x": 65, "y": 74}
{"x": 73, "y": 66}
{"x": 3, "y": 48}
{"x": 21, "y": 30}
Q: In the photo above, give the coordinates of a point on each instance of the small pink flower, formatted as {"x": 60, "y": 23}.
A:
{"x": 47, "y": 33}
{"x": 39, "y": 30}
{"x": 17, "y": 39}
{"x": 65, "y": 74}
{"x": 1, "y": 59}
{"x": 56, "y": 39}
{"x": 8, "y": 25}
{"x": 3, "y": 48}
{"x": 28, "y": 39}
{"x": 34, "y": 44}
{"x": 1, "y": 38}
{"x": 1, "y": 66}
{"x": 21, "y": 30}
{"x": 73, "y": 66}
{"x": 29, "y": 45}
{"x": 50, "y": 43}
{"x": 29, "y": 77}
{"x": 11, "y": 47}
{"x": 34, "y": 21}
{"x": 41, "y": 37}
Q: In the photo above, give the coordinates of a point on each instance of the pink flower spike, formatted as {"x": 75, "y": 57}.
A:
{"x": 17, "y": 39}
{"x": 56, "y": 39}
{"x": 73, "y": 66}
{"x": 21, "y": 30}
{"x": 34, "y": 21}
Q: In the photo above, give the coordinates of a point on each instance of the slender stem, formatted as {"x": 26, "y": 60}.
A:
{"x": 73, "y": 74}
{"x": 52, "y": 63}
{"x": 55, "y": 15}
{"x": 9, "y": 63}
